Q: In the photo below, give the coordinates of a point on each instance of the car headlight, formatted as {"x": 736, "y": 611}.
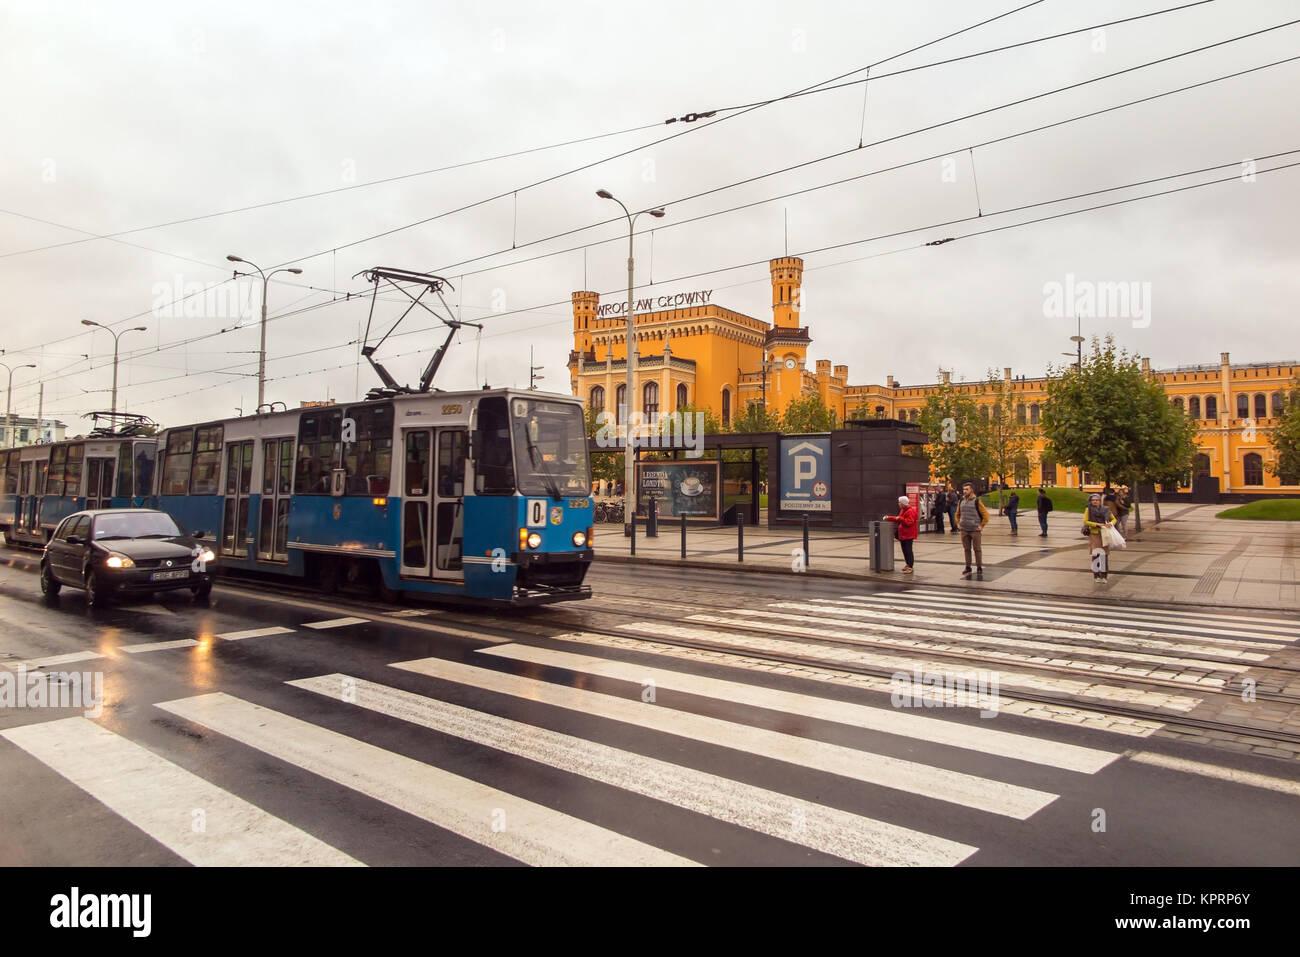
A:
{"x": 579, "y": 539}
{"x": 118, "y": 560}
{"x": 208, "y": 555}
{"x": 534, "y": 540}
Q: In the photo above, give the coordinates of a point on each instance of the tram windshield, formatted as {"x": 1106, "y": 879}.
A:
{"x": 550, "y": 447}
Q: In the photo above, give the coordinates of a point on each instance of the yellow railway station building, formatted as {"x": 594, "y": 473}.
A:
{"x": 694, "y": 352}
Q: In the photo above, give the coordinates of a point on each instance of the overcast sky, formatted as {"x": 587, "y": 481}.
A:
{"x": 133, "y": 114}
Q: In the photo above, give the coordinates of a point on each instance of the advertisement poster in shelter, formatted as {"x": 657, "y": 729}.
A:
{"x": 681, "y": 488}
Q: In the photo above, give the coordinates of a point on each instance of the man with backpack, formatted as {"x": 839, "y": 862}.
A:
{"x": 953, "y": 499}
{"x": 1012, "y": 507}
{"x": 1044, "y": 506}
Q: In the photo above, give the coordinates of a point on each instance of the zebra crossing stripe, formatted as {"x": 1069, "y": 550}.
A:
{"x": 1268, "y": 636}
{"x": 159, "y": 646}
{"x": 954, "y": 787}
{"x": 952, "y": 645}
{"x": 836, "y": 654}
{"x": 1284, "y": 625}
{"x": 1249, "y": 778}
{"x": 831, "y": 831}
{"x": 254, "y": 633}
{"x": 1021, "y": 747}
{"x": 511, "y": 825}
{"x": 194, "y": 819}
{"x": 335, "y": 623}
{"x": 1012, "y": 625}
{"x": 50, "y": 661}
{"x": 879, "y": 631}
{"x": 746, "y": 662}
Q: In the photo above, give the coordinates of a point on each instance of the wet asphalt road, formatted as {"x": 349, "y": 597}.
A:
{"x": 544, "y": 758}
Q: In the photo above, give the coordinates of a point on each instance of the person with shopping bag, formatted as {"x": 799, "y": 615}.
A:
{"x": 905, "y": 530}
{"x": 1099, "y": 527}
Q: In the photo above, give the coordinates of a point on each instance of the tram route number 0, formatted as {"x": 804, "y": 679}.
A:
{"x": 536, "y": 512}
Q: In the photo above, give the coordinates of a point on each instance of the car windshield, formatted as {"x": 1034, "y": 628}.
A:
{"x": 550, "y": 447}
{"x": 136, "y": 525}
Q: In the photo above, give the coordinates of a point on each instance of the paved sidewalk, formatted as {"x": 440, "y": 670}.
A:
{"x": 1190, "y": 557}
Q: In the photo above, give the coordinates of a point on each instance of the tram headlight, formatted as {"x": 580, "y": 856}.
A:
{"x": 118, "y": 560}
{"x": 534, "y": 540}
{"x": 579, "y": 539}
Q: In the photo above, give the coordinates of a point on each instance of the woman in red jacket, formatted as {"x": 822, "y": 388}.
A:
{"x": 906, "y": 519}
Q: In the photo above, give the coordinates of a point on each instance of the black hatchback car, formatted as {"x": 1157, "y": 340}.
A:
{"x": 141, "y": 550}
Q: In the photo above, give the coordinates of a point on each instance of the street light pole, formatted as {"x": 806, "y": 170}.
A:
{"x": 629, "y": 477}
{"x": 116, "y": 336}
{"x": 1077, "y": 339}
{"x": 261, "y": 352}
{"x": 9, "y": 394}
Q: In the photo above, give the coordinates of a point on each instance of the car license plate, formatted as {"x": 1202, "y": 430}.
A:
{"x": 170, "y": 576}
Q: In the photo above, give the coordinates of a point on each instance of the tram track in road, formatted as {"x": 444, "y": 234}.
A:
{"x": 552, "y": 622}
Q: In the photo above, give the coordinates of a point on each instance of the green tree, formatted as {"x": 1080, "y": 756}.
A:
{"x": 1006, "y": 437}
{"x": 809, "y": 414}
{"x": 606, "y": 466}
{"x": 1286, "y": 439}
{"x": 712, "y": 424}
{"x": 1111, "y": 419}
{"x": 958, "y": 448}
{"x": 756, "y": 418}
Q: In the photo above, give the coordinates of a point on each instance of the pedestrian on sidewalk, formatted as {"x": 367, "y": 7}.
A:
{"x": 972, "y": 516}
{"x": 938, "y": 508}
{"x": 1121, "y": 508}
{"x": 1012, "y": 507}
{"x": 1044, "y": 506}
{"x": 953, "y": 500}
{"x": 1095, "y": 517}
{"x": 905, "y": 530}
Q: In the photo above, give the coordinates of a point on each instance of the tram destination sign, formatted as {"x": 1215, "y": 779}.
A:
{"x": 679, "y": 300}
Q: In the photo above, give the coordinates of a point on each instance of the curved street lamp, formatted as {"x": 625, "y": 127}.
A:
{"x": 116, "y": 335}
{"x": 629, "y": 479}
{"x": 261, "y": 352}
{"x": 9, "y": 392}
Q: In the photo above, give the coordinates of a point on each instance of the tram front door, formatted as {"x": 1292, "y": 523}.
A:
{"x": 433, "y": 502}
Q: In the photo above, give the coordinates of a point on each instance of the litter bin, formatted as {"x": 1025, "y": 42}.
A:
{"x": 882, "y": 546}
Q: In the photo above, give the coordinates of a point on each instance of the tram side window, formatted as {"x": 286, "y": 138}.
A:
{"x": 54, "y": 476}
{"x": 318, "y": 451}
{"x": 145, "y": 453}
{"x": 72, "y": 473}
{"x": 369, "y": 459}
{"x": 180, "y": 449}
{"x": 11, "y": 474}
{"x": 205, "y": 473}
{"x": 124, "y": 477}
{"x": 493, "y": 464}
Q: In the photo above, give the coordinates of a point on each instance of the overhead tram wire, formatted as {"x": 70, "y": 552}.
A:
{"x": 740, "y": 112}
{"x": 930, "y": 158}
{"x": 845, "y": 152}
{"x": 329, "y": 192}
{"x": 925, "y": 129}
{"x": 889, "y": 139}
{"x": 828, "y": 248}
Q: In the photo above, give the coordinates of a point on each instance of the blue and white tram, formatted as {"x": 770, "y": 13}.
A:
{"x": 483, "y": 496}
{"x": 40, "y": 485}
